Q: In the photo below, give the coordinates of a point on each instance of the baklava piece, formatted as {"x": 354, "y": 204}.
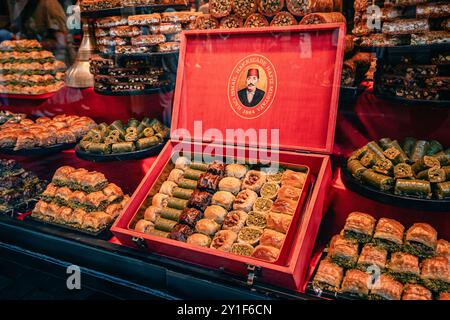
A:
{"x": 421, "y": 240}
{"x": 343, "y": 252}
{"x": 389, "y": 234}
{"x": 359, "y": 227}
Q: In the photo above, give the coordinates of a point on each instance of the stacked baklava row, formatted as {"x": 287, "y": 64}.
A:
{"x": 225, "y": 207}
{"x": 80, "y": 199}
{"x": 382, "y": 260}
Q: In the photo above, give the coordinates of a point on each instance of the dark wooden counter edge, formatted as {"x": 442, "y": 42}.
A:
{"x": 134, "y": 271}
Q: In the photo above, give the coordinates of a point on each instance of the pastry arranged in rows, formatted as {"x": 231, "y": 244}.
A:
{"x": 119, "y": 137}
{"x": 229, "y": 207}
{"x": 44, "y": 132}
{"x": 417, "y": 168}
{"x": 18, "y": 187}
{"x": 384, "y": 260}
{"x": 80, "y": 199}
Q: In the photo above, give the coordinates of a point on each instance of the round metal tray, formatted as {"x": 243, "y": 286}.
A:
{"x": 135, "y": 155}
{"x": 38, "y": 151}
{"x": 391, "y": 198}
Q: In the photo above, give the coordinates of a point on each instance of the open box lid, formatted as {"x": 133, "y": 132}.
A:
{"x": 297, "y": 72}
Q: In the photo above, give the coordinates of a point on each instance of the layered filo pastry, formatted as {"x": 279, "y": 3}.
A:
{"x": 386, "y": 288}
{"x": 235, "y": 221}
{"x": 285, "y": 206}
{"x": 359, "y": 227}
{"x": 208, "y": 182}
{"x": 328, "y": 276}
{"x": 343, "y": 252}
{"x": 443, "y": 249}
{"x": 293, "y": 178}
{"x": 199, "y": 239}
{"x": 230, "y": 184}
{"x": 245, "y": 200}
{"x": 223, "y": 240}
{"x": 444, "y": 296}
{"x": 236, "y": 170}
{"x": 266, "y": 253}
{"x": 404, "y": 267}
{"x": 389, "y": 234}
{"x": 224, "y": 199}
{"x": 216, "y": 213}
{"x": 254, "y": 180}
{"x": 372, "y": 255}
{"x": 356, "y": 282}
{"x": 435, "y": 274}
{"x": 416, "y": 292}
{"x": 421, "y": 240}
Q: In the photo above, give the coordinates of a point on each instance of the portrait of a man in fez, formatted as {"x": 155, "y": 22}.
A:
{"x": 251, "y": 95}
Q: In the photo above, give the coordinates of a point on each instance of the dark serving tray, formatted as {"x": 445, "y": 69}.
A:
{"x": 104, "y": 234}
{"x": 121, "y": 56}
{"x": 310, "y": 289}
{"x": 135, "y": 155}
{"x": 166, "y": 88}
{"x": 127, "y": 11}
{"x": 38, "y": 151}
{"x": 410, "y": 102}
{"x": 390, "y": 198}
{"x": 20, "y": 208}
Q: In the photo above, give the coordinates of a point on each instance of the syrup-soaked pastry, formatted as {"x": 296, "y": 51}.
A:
{"x": 324, "y": 17}
{"x": 235, "y": 221}
{"x": 444, "y": 296}
{"x": 109, "y": 22}
{"x": 208, "y": 182}
{"x": 405, "y": 26}
{"x": 223, "y": 240}
{"x": 386, "y": 288}
{"x": 302, "y": 7}
{"x": 254, "y": 180}
{"x": 169, "y": 46}
{"x": 199, "y": 239}
{"x": 404, "y": 267}
{"x": 279, "y": 222}
{"x": 266, "y": 253}
{"x": 443, "y": 249}
{"x": 224, "y": 199}
{"x": 433, "y": 10}
{"x": 151, "y": 213}
{"x": 372, "y": 255}
{"x": 270, "y": 7}
{"x": 160, "y": 200}
{"x": 245, "y": 200}
{"x": 144, "y": 19}
{"x": 343, "y": 252}
{"x": 242, "y": 249}
{"x": 182, "y": 163}
{"x": 231, "y": 22}
{"x": 216, "y": 213}
{"x": 199, "y": 200}
{"x": 257, "y": 219}
{"x": 389, "y": 234}
{"x": 285, "y": 206}
{"x": 269, "y": 190}
{"x": 205, "y": 22}
{"x": 250, "y": 235}
{"x": 220, "y": 8}
{"x": 256, "y": 20}
{"x": 175, "y": 175}
{"x": 230, "y": 184}
{"x": 190, "y": 216}
{"x": 207, "y": 226}
{"x": 217, "y": 168}
{"x": 431, "y": 37}
{"x": 262, "y": 205}
{"x": 143, "y": 226}
{"x": 356, "y": 282}
{"x": 283, "y": 19}
{"x": 125, "y": 31}
{"x": 293, "y": 179}
{"x": 421, "y": 240}
{"x": 181, "y": 232}
{"x": 96, "y": 220}
{"x": 167, "y": 187}
{"x": 235, "y": 170}
{"x": 272, "y": 238}
{"x": 148, "y": 40}
{"x": 435, "y": 274}
{"x": 416, "y": 292}
{"x": 165, "y": 28}
{"x": 381, "y": 40}
{"x": 359, "y": 227}
{"x": 244, "y": 8}
{"x": 288, "y": 192}
{"x": 328, "y": 276}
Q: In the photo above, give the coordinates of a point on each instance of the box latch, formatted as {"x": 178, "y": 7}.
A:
{"x": 140, "y": 242}
{"x": 253, "y": 272}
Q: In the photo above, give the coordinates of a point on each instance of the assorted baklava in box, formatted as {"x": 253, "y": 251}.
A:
{"x": 44, "y": 132}
{"x": 403, "y": 22}
{"x": 119, "y": 137}
{"x": 227, "y": 14}
{"x": 233, "y": 208}
{"x": 80, "y": 199}
{"x": 384, "y": 260}
{"x": 417, "y": 168}
{"x": 19, "y": 188}
{"x": 26, "y": 68}
{"x": 415, "y": 77}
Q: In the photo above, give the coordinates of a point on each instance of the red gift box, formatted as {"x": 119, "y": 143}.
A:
{"x": 296, "y": 72}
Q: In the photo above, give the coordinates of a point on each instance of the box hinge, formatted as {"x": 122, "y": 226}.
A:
{"x": 140, "y": 242}
{"x": 253, "y": 272}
